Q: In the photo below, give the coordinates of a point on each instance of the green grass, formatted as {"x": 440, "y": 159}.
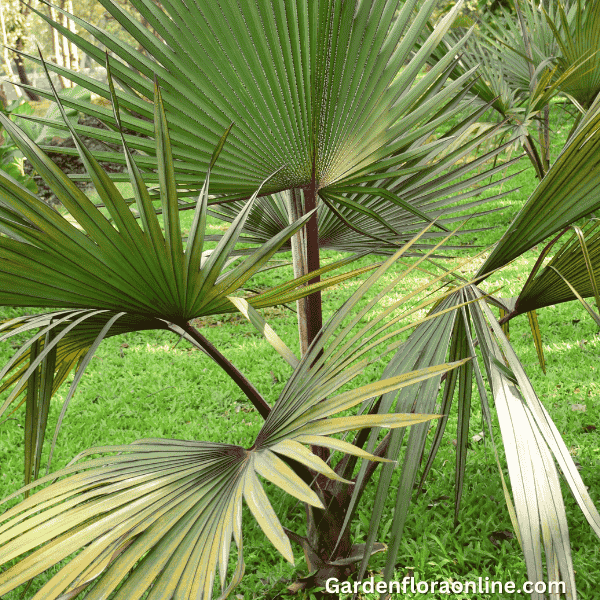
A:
{"x": 144, "y": 385}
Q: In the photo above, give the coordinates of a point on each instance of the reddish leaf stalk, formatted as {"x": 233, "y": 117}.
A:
{"x": 314, "y": 314}
{"x": 243, "y": 383}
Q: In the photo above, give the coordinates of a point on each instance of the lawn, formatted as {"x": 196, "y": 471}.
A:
{"x": 148, "y": 385}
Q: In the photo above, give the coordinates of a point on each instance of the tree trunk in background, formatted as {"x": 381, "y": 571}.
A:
{"x": 23, "y": 78}
{"x": 64, "y": 49}
{"x": 73, "y": 50}
{"x": 20, "y": 46}
{"x": 7, "y": 63}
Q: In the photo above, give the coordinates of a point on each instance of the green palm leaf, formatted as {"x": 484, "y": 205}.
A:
{"x": 572, "y": 274}
{"x": 293, "y": 79}
{"x": 527, "y": 61}
{"x": 576, "y": 32}
{"x": 576, "y": 260}
{"x": 113, "y": 276}
{"x": 350, "y": 219}
{"x": 64, "y": 341}
{"x": 282, "y": 50}
{"x": 138, "y": 267}
{"x": 595, "y": 316}
{"x": 563, "y": 196}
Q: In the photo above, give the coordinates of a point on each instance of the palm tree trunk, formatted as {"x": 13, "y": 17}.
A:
{"x": 295, "y": 209}
{"x": 305, "y": 259}
{"x": 20, "y": 46}
{"x": 314, "y": 311}
{"x": 323, "y": 526}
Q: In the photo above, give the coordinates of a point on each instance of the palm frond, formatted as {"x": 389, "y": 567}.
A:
{"x": 576, "y": 32}
{"x": 524, "y": 63}
{"x": 576, "y": 262}
{"x": 533, "y": 446}
{"x": 563, "y": 196}
{"x": 293, "y": 81}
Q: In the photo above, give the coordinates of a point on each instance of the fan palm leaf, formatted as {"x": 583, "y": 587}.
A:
{"x": 359, "y": 220}
{"x": 564, "y": 195}
{"x": 272, "y": 77}
{"x": 321, "y": 91}
{"x": 571, "y": 274}
{"x": 575, "y": 265}
{"x": 576, "y": 30}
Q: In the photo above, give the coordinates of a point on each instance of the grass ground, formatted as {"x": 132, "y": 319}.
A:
{"x": 144, "y": 385}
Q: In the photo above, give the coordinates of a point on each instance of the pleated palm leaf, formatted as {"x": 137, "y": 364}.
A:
{"x": 579, "y": 258}
{"x": 563, "y": 35}
{"x": 528, "y": 42}
{"x": 567, "y": 194}
{"x": 324, "y": 89}
{"x": 274, "y": 78}
{"x": 531, "y": 441}
{"x": 109, "y": 278}
{"x": 158, "y": 516}
{"x": 576, "y": 29}
{"x": 573, "y": 272}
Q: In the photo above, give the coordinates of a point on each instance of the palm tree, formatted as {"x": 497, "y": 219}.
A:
{"x": 329, "y": 97}
{"x": 175, "y": 502}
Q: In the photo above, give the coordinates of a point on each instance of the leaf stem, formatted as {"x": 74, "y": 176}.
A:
{"x": 243, "y": 383}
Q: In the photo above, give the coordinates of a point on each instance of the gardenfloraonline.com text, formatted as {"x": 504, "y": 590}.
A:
{"x": 482, "y": 585}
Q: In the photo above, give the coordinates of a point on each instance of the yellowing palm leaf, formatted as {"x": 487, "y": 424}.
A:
{"x": 158, "y": 516}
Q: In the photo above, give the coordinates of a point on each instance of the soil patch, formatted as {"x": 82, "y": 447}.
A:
{"x": 73, "y": 164}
